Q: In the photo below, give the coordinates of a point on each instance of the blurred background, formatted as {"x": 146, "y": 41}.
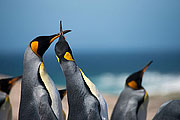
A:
{"x": 110, "y": 39}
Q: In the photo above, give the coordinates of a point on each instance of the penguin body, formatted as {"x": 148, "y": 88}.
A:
{"x": 5, "y": 107}
{"x": 39, "y": 96}
{"x": 82, "y": 104}
{"x": 85, "y": 102}
{"x": 126, "y": 107}
{"x": 169, "y": 111}
{"x": 133, "y": 100}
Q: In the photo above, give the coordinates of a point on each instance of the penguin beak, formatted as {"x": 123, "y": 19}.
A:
{"x": 54, "y": 38}
{"x": 145, "y": 68}
{"x": 61, "y": 30}
{"x": 12, "y": 82}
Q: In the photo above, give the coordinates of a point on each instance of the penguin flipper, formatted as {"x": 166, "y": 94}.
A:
{"x": 62, "y": 93}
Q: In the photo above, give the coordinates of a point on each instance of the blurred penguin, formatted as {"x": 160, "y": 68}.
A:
{"x": 85, "y": 101}
{"x": 133, "y": 100}
{"x": 7, "y": 83}
{"x": 169, "y": 111}
{"x": 5, "y": 106}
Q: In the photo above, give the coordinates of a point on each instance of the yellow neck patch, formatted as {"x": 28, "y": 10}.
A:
{"x": 146, "y": 95}
{"x": 57, "y": 58}
{"x": 64, "y": 115}
{"x": 34, "y": 47}
{"x": 7, "y": 98}
{"x": 53, "y": 38}
{"x": 133, "y": 84}
{"x": 91, "y": 86}
{"x": 68, "y": 56}
{"x": 51, "y": 88}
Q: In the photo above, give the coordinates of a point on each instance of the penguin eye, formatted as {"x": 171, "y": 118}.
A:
{"x": 34, "y": 46}
{"x": 133, "y": 84}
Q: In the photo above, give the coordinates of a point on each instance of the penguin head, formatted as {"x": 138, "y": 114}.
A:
{"x": 40, "y": 44}
{"x": 7, "y": 83}
{"x": 62, "y": 49}
{"x": 134, "y": 81}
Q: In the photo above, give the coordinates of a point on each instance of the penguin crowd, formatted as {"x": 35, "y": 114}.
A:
{"x": 41, "y": 100}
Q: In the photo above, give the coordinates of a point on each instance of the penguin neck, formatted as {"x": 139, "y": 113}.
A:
{"x": 52, "y": 91}
{"x": 73, "y": 75}
{"x": 79, "y": 88}
{"x": 31, "y": 61}
{"x": 74, "y": 82}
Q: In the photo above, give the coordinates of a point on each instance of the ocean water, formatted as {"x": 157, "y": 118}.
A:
{"x": 108, "y": 71}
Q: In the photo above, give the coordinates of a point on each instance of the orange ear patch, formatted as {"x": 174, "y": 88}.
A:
{"x": 133, "y": 84}
{"x": 68, "y": 56}
{"x": 34, "y": 47}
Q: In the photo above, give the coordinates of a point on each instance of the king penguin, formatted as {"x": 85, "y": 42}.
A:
{"x": 169, "y": 111}
{"x": 5, "y": 106}
{"x": 133, "y": 100}
{"x": 40, "y": 98}
{"x": 84, "y": 100}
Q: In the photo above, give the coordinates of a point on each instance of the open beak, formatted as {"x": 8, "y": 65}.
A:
{"x": 61, "y": 33}
{"x": 61, "y": 30}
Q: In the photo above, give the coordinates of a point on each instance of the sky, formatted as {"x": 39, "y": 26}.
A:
{"x": 97, "y": 25}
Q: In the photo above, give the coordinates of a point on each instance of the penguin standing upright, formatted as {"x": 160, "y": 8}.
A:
{"x": 5, "y": 106}
{"x": 40, "y": 98}
{"x": 169, "y": 111}
{"x": 133, "y": 100}
{"x": 85, "y": 102}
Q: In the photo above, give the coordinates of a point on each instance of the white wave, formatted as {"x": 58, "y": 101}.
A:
{"x": 153, "y": 82}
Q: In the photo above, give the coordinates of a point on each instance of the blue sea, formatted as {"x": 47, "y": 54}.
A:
{"x": 109, "y": 70}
